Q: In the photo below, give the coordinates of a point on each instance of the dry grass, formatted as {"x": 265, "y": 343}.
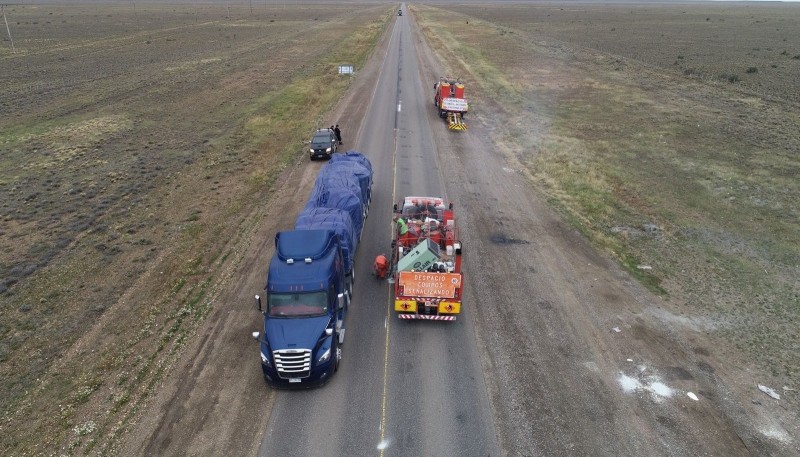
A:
{"x": 758, "y": 44}
{"x": 135, "y": 159}
{"x": 693, "y": 177}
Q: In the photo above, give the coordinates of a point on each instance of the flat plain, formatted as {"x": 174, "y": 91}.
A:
{"x": 667, "y": 134}
{"x": 139, "y": 142}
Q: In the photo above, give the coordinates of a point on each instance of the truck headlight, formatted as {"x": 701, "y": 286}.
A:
{"x": 311, "y": 150}
{"x": 265, "y": 359}
{"x": 325, "y": 356}
{"x": 328, "y": 150}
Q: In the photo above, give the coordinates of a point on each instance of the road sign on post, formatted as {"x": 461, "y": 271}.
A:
{"x": 346, "y": 69}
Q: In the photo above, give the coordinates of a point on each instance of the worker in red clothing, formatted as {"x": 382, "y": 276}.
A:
{"x": 381, "y": 266}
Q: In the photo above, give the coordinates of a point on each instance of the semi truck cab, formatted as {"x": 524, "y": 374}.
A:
{"x": 306, "y": 304}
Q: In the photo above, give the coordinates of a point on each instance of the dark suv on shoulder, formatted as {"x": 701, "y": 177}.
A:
{"x": 323, "y": 145}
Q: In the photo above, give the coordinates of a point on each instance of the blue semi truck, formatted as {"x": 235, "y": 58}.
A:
{"x": 311, "y": 276}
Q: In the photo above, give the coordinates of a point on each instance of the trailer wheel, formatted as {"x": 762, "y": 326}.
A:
{"x": 351, "y": 278}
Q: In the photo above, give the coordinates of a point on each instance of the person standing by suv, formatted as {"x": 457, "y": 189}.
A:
{"x": 338, "y": 134}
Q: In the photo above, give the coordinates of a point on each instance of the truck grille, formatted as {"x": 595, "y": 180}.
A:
{"x": 293, "y": 363}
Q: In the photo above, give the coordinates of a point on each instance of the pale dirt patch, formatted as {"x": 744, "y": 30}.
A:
{"x": 583, "y": 107}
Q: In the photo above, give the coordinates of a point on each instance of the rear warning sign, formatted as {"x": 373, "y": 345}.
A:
{"x": 440, "y": 285}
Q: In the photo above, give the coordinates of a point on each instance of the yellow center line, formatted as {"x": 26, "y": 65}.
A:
{"x": 385, "y": 381}
{"x": 384, "y": 400}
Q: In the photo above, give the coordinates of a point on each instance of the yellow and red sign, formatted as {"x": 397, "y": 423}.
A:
{"x": 449, "y": 307}
{"x": 405, "y": 306}
{"x": 436, "y": 285}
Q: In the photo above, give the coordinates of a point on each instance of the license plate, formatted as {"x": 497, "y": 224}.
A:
{"x": 294, "y": 379}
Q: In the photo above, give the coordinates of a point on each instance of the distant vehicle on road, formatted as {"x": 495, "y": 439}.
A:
{"x": 399, "y": 12}
{"x": 448, "y": 97}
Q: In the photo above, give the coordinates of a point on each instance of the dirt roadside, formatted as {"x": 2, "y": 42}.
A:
{"x": 216, "y": 402}
{"x": 576, "y": 364}
{"x": 586, "y": 361}
{"x": 137, "y": 164}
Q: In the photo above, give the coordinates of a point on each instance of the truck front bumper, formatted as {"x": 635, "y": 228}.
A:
{"x": 320, "y": 375}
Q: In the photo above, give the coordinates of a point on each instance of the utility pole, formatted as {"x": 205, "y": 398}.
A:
{"x": 3, "y": 9}
{"x": 136, "y": 17}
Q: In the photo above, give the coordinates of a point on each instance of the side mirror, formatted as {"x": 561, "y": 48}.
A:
{"x": 258, "y": 303}
{"x": 257, "y": 337}
{"x": 340, "y": 300}
{"x": 329, "y": 331}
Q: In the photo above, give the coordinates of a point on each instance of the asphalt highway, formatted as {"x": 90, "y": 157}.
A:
{"x": 404, "y": 388}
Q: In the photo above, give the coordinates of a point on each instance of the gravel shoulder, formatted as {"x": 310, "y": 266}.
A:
{"x": 580, "y": 356}
{"x": 216, "y": 402}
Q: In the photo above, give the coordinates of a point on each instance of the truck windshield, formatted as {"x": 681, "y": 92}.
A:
{"x": 321, "y": 140}
{"x": 297, "y": 305}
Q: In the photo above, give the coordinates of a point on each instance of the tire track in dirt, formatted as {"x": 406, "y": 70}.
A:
{"x": 226, "y": 407}
{"x": 545, "y": 311}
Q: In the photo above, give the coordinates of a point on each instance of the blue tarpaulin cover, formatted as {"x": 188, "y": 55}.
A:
{"x": 334, "y": 219}
{"x": 337, "y": 181}
{"x": 353, "y": 156}
{"x": 338, "y": 200}
{"x": 351, "y": 169}
{"x": 332, "y": 196}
